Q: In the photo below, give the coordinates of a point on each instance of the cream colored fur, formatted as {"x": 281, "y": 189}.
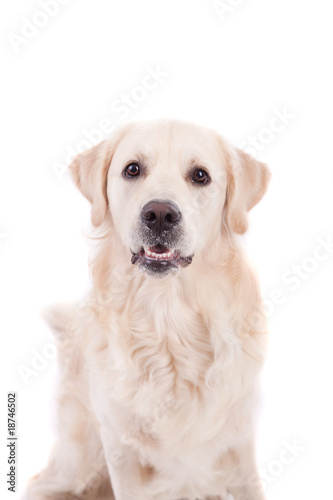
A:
{"x": 159, "y": 376}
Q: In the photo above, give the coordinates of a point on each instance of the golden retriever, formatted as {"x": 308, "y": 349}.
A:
{"x": 160, "y": 364}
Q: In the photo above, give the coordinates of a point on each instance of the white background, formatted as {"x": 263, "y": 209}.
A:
{"x": 228, "y": 71}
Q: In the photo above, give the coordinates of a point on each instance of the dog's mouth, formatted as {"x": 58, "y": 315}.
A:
{"x": 159, "y": 258}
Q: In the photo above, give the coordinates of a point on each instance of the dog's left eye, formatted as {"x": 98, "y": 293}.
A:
{"x": 200, "y": 176}
{"x": 132, "y": 170}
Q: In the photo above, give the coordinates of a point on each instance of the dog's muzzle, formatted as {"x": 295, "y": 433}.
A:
{"x": 161, "y": 233}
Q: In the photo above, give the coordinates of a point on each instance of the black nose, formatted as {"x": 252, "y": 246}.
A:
{"x": 160, "y": 215}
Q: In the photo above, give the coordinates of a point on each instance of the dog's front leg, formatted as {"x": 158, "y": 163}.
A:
{"x": 246, "y": 484}
{"x": 130, "y": 480}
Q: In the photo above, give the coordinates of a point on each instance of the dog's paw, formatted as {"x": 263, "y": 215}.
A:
{"x": 31, "y": 494}
{"x": 224, "y": 496}
{"x": 37, "y": 489}
{"x": 31, "y": 491}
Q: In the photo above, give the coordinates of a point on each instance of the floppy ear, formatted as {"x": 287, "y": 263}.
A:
{"x": 89, "y": 171}
{"x": 247, "y": 182}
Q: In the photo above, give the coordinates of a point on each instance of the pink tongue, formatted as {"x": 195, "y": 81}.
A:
{"x": 158, "y": 249}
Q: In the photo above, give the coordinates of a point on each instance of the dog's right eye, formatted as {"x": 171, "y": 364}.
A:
{"x": 132, "y": 170}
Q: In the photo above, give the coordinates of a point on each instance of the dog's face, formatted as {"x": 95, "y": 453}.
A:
{"x": 168, "y": 185}
{"x": 166, "y": 191}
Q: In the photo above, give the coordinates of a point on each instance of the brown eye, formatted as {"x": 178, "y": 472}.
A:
{"x": 132, "y": 170}
{"x": 200, "y": 176}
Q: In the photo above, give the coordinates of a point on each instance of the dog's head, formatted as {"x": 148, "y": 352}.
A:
{"x": 168, "y": 187}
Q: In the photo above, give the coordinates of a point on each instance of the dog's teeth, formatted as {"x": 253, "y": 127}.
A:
{"x": 154, "y": 255}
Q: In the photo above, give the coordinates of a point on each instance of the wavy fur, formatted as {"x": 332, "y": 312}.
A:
{"x": 160, "y": 376}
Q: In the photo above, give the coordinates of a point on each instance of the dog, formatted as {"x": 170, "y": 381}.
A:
{"x": 160, "y": 364}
